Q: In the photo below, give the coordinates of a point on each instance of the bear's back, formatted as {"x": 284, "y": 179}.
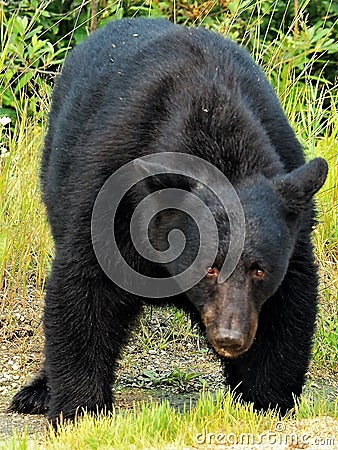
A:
{"x": 121, "y": 60}
{"x": 129, "y": 89}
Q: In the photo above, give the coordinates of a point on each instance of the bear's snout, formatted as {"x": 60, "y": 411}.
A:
{"x": 230, "y": 321}
{"x": 231, "y": 343}
{"x": 231, "y": 340}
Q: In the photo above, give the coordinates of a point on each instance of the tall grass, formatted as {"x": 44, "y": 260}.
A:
{"x": 25, "y": 237}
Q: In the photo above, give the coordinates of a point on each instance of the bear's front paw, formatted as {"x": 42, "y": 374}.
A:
{"x": 33, "y": 398}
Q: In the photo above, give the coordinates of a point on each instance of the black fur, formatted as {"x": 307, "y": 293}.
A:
{"x": 145, "y": 86}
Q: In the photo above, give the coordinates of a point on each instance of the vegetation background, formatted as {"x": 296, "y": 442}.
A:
{"x": 296, "y": 43}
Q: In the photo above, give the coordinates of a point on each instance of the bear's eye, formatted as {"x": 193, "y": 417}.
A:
{"x": 257, "y": 273}
{"x": 212, "y": 272}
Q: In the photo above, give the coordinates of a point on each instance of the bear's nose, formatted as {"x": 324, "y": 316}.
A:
{"x": 229, "y": 339}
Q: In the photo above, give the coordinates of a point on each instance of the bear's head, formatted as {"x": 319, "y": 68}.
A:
{"x": 274, "y": 209}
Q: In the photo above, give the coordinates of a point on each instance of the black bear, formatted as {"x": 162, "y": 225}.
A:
{"x": 140, "y": 87}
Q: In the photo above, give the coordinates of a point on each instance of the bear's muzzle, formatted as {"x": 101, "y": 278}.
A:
{"x": 231, "y": 322}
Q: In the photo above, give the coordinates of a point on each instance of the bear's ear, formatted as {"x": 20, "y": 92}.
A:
{"x": 298, "y": 187}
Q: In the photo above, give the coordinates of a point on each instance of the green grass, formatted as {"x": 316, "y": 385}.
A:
{"x": 325, "y": 239}
{"x": 26, "y": 248}
{"x": 159, "y": 425}
{"x": 25, "y": 238}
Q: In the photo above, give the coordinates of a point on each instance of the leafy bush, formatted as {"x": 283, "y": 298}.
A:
{"x": 26, "y": 59}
